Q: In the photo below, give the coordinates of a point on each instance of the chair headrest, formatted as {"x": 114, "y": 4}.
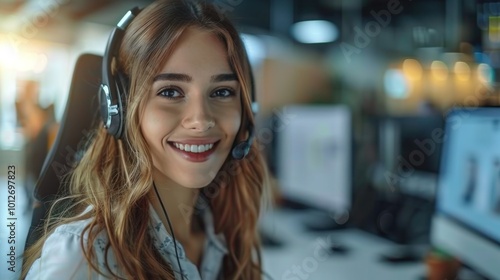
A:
{"x": 80, "y": 115}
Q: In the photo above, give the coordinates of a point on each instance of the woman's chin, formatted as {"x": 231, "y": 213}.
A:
{"x": 196, "y": 184}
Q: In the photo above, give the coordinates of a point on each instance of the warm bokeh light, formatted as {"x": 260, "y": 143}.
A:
{"x": 22, "y": 61}
{"x": 462, "y": 71}
{"x": 412, "y": 69}
{"x": 26, "y": 61}
{"x": 439, "y": 70}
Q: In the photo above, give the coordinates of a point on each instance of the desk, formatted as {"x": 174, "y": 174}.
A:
{"x": 305, "y": 257}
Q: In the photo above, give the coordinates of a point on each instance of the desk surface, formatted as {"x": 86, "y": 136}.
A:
{"x": 305, "y": 254}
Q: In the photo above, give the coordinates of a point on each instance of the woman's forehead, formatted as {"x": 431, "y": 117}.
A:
{"x": 198, "y": 51}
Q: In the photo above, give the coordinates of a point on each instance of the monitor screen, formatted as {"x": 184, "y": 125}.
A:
{"x": 416, "y": 145}
{"x": 314, "y": 156}
{"x": 409, "y": 154}
{"x": 408, "y": 141}
{"x": 467, "y": 220}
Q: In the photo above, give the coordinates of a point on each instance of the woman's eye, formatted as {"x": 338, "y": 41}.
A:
{"x": 223, "y": 93}
{"x": 170, "y": 93}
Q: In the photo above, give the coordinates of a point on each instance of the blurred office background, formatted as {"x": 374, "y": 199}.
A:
{"x": 354, "y": 97}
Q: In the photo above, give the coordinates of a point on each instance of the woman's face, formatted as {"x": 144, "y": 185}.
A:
{"x": 193, "y": 112}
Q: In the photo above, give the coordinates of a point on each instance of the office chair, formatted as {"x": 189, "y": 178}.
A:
{"x": 80, "y": 115}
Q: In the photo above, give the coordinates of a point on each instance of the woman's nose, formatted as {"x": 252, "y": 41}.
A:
{"x": 198, "y": 116}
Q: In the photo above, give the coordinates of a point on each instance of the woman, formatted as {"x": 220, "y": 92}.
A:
{"x": 188, "y": 105}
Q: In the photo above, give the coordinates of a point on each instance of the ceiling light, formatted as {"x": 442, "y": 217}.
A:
{"x": 315, "y": 31}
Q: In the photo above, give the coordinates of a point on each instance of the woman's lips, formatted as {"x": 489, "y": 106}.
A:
{"x": 195, "y": 157}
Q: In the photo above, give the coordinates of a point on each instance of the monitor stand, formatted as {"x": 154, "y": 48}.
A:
{"x": 270, "y": 241}
{"x": 291, "y": 204}
{"x": 320, "y": 221}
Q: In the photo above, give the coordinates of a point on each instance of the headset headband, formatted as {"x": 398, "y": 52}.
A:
{"x": 111, "y": 91}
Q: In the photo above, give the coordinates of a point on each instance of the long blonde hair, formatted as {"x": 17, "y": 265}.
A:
{"x": 115, "y": 176}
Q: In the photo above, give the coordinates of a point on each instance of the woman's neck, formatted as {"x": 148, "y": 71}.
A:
{"x": 179, "y": 203}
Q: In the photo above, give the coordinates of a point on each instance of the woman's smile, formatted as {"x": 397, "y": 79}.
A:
{"x": 195, "y": 150}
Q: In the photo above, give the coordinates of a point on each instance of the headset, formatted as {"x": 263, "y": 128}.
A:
{"x": 113, "y": 90}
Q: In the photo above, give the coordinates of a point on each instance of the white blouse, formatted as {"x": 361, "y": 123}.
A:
{"x": 62, "y": 256}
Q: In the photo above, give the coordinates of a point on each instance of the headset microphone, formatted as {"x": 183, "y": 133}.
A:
{"x": 241, "y": 149}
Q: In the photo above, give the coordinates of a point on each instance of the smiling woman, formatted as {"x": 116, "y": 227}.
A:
{"x": 176, "y": 169}
{"x": 195, "y": 90}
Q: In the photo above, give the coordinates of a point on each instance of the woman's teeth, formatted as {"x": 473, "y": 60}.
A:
{"x": 194, "y": 148}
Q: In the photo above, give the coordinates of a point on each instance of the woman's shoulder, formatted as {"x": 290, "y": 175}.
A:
{"x": 62, "y": 255}
{"x": 75, "y": 228}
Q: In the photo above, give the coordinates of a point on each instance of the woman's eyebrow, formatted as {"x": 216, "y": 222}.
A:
{"x": 178, "y": 77}
{"x": 223, "y": 78}
{"x": 172, "y": 77}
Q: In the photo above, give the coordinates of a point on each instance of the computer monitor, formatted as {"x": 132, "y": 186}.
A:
{"x": 415, "y": 136}
{"x": 404, "y": 180}
{"x": 314, "y": 156}
{"x": 409, "y": 155}
{"x": 466, "y": 223}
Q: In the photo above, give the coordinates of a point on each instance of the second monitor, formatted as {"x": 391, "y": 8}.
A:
{"x": 467, "y": 221}
{"x": 314, "y": 156}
